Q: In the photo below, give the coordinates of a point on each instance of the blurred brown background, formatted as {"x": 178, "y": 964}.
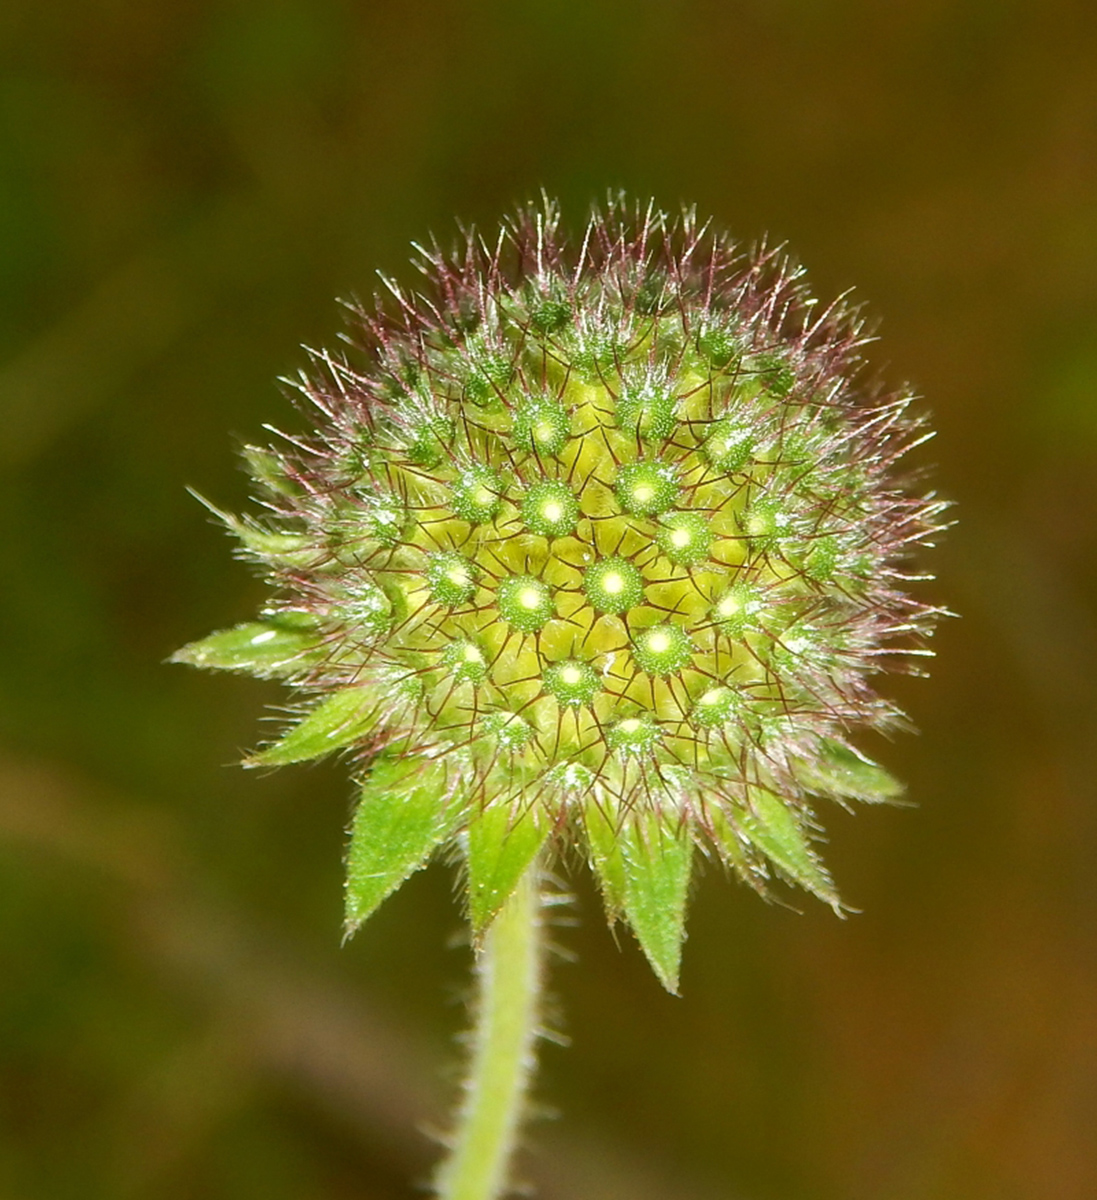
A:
{"x": 185, "y": 186}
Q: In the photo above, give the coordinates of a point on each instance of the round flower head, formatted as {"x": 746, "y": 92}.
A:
{"x": 595, "y": 541}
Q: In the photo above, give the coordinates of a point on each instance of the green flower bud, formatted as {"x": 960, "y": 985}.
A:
{"x": 577, "y": 542}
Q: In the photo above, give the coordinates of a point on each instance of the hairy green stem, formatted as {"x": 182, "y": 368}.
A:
{"x": 508, "y": 969}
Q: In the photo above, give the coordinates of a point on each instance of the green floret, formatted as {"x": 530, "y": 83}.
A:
{"x": 646, "y": 409}
{"x": 525, "y": 603}
{"x": 613, "y": 585}
{"x": 486, "y": 379}
{"x": 593, "y": 352}
{"x": 662, "y": 650}
{"x": 764, "y": 523}
{"x": 716, "y": 707}
{"x": 451, "y": 578}
{"x": 646, "y": 488}
{"x": 465, "y": 661}
{"x": 477, "y": 495}
{"x": 775, "y": 372}
{"x": 685, "y": 538}
{"x": 384, "y": 520}
{"x": 572, "y": 683}
{"x": 541, "y": 424}
{"x": 805, "y": 647}
{"x": 727, "y": 446}
{"x": 510, "y": 731}
{"x": 822, "y": 559}
{"x": 366, "y": 610}
{"x": 634, "y": 735}
{"x": 738, "y": 609}
{"x": 719, "y": 346}
{"x": 571, "y": 778}
{"x": 547, "y": 316}
{"x": 550, "y": 509}
{"x": 427, "y": 440}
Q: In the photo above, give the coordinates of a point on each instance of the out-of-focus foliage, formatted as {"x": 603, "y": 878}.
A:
{"x": 183, "y": 190}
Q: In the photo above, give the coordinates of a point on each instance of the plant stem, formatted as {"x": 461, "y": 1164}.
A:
{"x": 508, "y": 969}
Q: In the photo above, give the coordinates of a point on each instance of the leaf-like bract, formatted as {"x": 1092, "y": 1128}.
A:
{"x": 656, "y": 862}
{"x": 341, "y": 719}
{"x": 407, "y": 807}
{"x": 605, "y": 857}
{"x": 730, "y": 847}
{"x": 842, "y": 772}
{"x": 774, "y": 829}
{"x": 279, "y": 645}
{"x": 502, "y": 842}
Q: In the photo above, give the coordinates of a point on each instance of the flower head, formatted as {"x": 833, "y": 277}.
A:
{"x": 600, "y": 543}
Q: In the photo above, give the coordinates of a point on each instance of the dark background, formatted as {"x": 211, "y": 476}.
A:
{"x": 185, "y": 187}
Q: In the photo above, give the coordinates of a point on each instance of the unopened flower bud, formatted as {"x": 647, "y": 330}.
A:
{"x": 600, "y": 542}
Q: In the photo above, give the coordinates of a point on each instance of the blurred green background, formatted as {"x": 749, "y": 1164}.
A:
{"x": 185, "y": 186}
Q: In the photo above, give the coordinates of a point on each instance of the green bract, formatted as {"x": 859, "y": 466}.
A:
{"x": 597, "y": 543}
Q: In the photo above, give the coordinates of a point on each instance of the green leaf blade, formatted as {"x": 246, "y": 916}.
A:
{"x": 407, "y": 808}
